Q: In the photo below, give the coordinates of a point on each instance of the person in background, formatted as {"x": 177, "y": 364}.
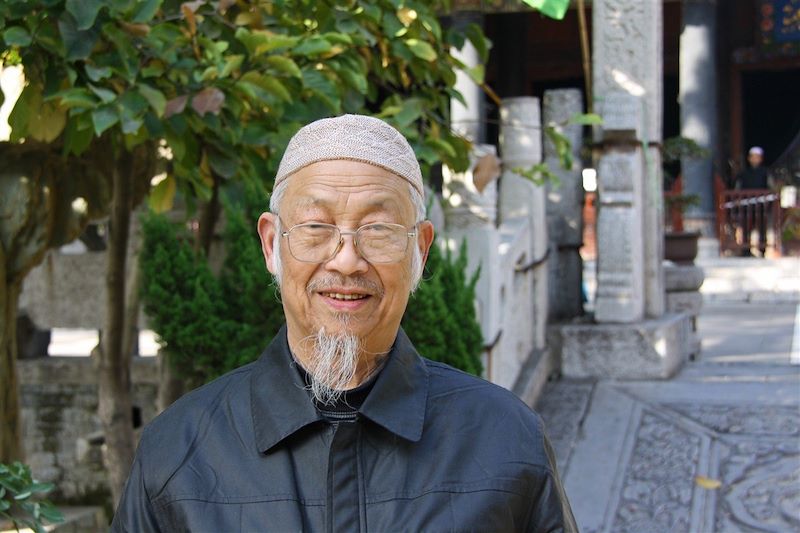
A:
{"x": 755, "y": 176}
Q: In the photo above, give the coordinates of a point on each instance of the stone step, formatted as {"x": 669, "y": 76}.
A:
{"x": 747, "y": 279}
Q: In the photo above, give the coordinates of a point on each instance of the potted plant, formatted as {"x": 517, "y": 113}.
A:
{"x": 680, "y": 246}
{"x": 790, "y": 233}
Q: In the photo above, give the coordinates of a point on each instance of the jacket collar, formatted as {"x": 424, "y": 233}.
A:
{"x": 281, "y": 406}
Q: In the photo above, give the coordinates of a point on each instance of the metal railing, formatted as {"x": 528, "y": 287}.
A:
{"x": 741, "y": 214}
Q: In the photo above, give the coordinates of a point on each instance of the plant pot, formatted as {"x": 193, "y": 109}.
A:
{"x": 681, "y": 246}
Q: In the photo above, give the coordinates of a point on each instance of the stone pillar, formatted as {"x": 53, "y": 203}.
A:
{"x": 627, "y": 74}
{"x": 521, "y": 146}
{"x": 564, "y": 208}
{"x": 468, "y": 121}
{"x": 698, "y": 100}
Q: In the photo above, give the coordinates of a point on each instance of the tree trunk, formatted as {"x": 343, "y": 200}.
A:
{"x": 10, "y": 428}
{"x": 115, "y": 406}
{"x": 209, "y": 214}
{"x": 170, "y": 385}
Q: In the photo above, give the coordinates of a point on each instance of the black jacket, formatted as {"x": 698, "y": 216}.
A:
{"x": 432, "y": 449}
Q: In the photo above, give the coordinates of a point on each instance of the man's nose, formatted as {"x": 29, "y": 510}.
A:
{"x": 347, "y": 260}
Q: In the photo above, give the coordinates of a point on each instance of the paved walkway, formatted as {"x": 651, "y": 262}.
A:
{"x": 715, "y": 449}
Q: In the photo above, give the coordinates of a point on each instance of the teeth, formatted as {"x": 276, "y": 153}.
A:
{"x": 338, "y": 296}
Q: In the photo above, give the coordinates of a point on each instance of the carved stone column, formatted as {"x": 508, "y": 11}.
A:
{"x": 564, "y": 208}
{"x": 698, "y": 100}
{"x": 468, "y": 121}
{"x": 521, "y": 146}
{"x": 628, "y": 92}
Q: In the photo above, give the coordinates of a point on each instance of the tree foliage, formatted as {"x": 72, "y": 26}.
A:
{"x": 226, "y": 83}
{"x": 20, "y": 498}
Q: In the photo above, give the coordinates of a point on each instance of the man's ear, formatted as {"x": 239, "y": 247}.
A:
{"x": 424, "y": 239}
{"x": 266, "y": 231}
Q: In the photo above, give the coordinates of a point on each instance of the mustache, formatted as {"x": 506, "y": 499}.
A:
{"x": 332, "y": 280}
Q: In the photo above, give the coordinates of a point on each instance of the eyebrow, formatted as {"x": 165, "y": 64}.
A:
{"x": 316, "y": 201}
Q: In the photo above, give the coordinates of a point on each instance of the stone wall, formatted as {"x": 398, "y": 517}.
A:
{"x": 61, "y": 430}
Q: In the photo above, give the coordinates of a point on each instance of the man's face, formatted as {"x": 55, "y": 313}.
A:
{"x": 755, "y": 159}
{"x": 346, "y": 293}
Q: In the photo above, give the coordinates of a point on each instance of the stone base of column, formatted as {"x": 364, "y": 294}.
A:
{"x": 650, "y": 349}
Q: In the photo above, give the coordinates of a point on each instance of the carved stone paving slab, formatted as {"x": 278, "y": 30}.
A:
{"x": 760, "y": 487}
{"x": 562, "y": 407}
{"x": 658, "y": 483}
{"x": 777, "y": 421}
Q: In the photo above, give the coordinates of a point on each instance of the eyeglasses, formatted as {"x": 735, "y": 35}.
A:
{"x": 377, "y": 243}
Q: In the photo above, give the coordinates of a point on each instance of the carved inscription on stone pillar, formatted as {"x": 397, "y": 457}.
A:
{"x": 627, "y": 54}
{"x": 620, "y": 274}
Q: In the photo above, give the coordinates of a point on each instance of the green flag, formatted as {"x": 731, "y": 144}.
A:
{"x": 555, "y": 9}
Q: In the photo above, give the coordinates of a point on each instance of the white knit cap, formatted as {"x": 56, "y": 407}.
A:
{"x": 354, "y": 138}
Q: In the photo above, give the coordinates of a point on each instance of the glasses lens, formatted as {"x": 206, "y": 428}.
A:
{"x": 313, "y": 243}
{"x": 382, "y": 243}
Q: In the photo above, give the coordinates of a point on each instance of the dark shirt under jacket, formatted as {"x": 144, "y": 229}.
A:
{"x": 431, "y": 449}
{"x": 753, "y": 178}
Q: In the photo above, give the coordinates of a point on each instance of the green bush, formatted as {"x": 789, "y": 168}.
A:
{"x": 211, "y": 324}
{"x": 20, "y": 498}
{"x": 440, "y": 318}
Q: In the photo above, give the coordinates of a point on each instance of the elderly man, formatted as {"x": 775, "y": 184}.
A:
{"x": 341, "y": 425}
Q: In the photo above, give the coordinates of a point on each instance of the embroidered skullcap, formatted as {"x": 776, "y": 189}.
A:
{"x": 756, "y": 150}
{"x": 354, "y": 138}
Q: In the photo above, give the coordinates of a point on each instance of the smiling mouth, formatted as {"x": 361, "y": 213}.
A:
{"x": 344, "y": 297}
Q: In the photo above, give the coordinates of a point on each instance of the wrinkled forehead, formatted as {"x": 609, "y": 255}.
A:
{"x": 348, "y": 187}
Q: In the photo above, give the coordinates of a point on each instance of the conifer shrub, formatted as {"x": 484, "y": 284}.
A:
{"x": 211, "y": 324}
{"x": 440, "y": 318}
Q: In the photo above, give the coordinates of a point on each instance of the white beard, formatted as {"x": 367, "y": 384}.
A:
{"x": 333, "y": 365}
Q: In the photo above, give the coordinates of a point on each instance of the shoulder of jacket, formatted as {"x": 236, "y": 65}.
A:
{"x": 464, "y": 388}
{"x": 168, "y": 437}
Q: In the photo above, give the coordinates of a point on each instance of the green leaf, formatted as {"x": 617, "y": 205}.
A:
{"x": 258, "y": 42}
{"x": 78, "y": 44}
{"x": 479, "y": 41}
{"x": 76, "y": 139}
{"x": 421, "y": 49}
{"x": 277, "y": 88}
{"x": 232, "y": 63}
{"x": 97, "y": 73}
{"x": 285, "y": 65}
{"x": 313, "y": 46}
{"x": 17, "y": 36}
{"x": 128, "y": 55}
{"x": 476, "y": 74}
{"x": 356, "y": 80}
{"x": 75, "y": 97}
{"x": 31, "y": 117}
{"x": 586, "y": 119}
{"x": 105, "y": 95}
{"x": 103, "y": 118}
{"x": 411, "y": 110}
{"x": 146, "y": 11}
{"x": 84, "y": 11}
{"x": 223, "y": 164}
{"x": 555, "y": 9}
{"x": 154, "y": 97}
{"x": 162, "y": 196}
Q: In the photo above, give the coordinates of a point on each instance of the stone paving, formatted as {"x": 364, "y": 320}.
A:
{"x": 715, "y": 449}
